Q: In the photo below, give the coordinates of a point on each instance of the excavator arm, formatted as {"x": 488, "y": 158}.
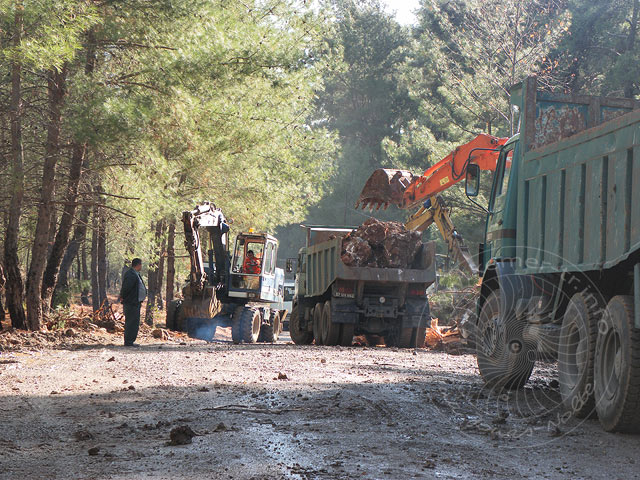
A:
{"x": 211, "y": 218}
{"x": 435, "y": 211}
{"x": 406, "y": 190}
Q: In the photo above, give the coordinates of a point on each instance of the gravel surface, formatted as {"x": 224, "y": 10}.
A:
{"x": 100, "y": 411}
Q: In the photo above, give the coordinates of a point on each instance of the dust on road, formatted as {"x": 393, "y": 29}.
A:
{"x": 284, "y": 411}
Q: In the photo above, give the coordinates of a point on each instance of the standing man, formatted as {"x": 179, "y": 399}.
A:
{"x": 132, "y": 294}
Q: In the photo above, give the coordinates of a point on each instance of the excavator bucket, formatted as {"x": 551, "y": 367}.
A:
{"x": 384, "y": 187}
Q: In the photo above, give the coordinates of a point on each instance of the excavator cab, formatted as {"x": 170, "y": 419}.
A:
{"x": 254, "y": 275}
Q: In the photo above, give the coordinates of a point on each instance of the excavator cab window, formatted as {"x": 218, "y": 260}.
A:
{"x": 248, "y": 262}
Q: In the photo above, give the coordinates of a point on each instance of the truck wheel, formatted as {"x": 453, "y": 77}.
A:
{"x": 576, "y": 350}
{"x": 250, "y": 324}
{"x": 421, "y": 334}
{"x": 505, "y": 360}
{"x": 236, "y": 325}
{"x": 299, "y": 336}
{"x": 406, "y": 338}
{"x": 171, "y": 314}
{"x": 330, "y": 330}
{"x": 346, "y": 334}
{"x": 373, "y": 340}
{"x": 317, "y": 323}
{"x": 269, "y": 332}
{"x": 617, "y": 368}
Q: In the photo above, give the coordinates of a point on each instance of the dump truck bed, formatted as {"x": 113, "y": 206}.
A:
{"x": 324, "y": 266}
{"x": 579, "y": 191}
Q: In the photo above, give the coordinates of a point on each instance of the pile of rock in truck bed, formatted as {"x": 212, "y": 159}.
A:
{"x": 381, "y": 244}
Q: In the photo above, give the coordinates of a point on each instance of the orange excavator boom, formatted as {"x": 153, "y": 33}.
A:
{"x": 405, "y": 190}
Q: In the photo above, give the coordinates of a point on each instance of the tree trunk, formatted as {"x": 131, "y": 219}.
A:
{"x": 56, "y": 87}
{"x": 2, "y": 282}
{"x": 95, "y": 289}
{"x": 14, "y": 287}
{"x": 102, "y": 255}
{"x": 61, "y": 241}
{"x": 153, "y": 275}
{"x": 84, "y": 293}
{"x": 79, "y": 234}
{"x": 171, "y": 266}
{"x": 633, "y": 31}
{"x": 160, "y": 274}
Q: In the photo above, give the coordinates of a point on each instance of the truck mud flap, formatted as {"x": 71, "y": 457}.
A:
{"x": 344, "y": 310}
{"x": 416, "y": 313}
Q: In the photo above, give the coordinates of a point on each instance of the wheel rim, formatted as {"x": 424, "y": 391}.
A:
{"x": 612, "y": 363}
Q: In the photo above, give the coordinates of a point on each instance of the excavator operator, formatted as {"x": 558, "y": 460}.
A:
{"x": 251, "y": 264}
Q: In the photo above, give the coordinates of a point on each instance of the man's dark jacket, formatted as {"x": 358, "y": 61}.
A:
{"x": 129, "y": 290}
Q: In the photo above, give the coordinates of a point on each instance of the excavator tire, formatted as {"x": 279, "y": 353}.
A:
{"x": 250, "y": 324}
{"x": 236, "y": 325}
{"x": 269, "y": 332}
{"x": 299, "y": 336}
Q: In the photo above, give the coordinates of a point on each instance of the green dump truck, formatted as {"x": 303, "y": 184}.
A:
{"x": 333, "y": 302}
{"x": 560, "y": 264}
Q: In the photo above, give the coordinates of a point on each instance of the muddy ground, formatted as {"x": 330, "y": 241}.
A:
{"x": 100, "y": 411}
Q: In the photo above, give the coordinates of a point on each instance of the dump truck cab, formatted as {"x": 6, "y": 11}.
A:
{"x": 254, "y": 275}
{"x": 500, "y": 238}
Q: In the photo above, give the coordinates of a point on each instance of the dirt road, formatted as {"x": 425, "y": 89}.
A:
{"x": 284, "y": 411}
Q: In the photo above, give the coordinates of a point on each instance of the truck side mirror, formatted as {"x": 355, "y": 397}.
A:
{"x": 289, "y": 265}
{"x": 472, "y": 180}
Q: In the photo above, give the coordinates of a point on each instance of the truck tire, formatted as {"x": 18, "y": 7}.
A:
{"x": 346, "y": 334}
{"x": 505, "y": 360}
{"x": 405, "y": 337}
{"x": 299, "y": 336}
{"x": 171, "y": 314}
{"x": 576, "y": 351}
{"x": 617, "y": 368}
{"x": 251, "y": 322}
{"x": 236, "y": 324}
{"x": 373, "y": 340}
{"x": 269, "y": 332}
{"x": 317, "y": 323}
{"x": 330, "y": 330}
